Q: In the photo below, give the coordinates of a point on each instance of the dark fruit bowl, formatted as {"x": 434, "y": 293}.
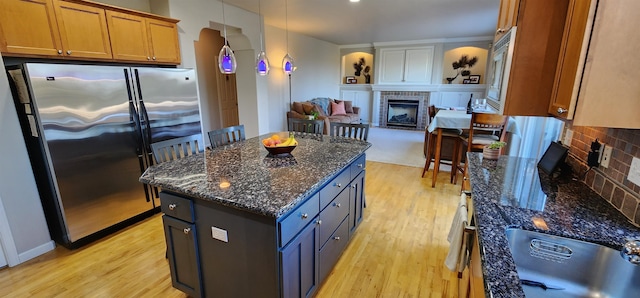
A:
{"x": 275, "y": 151}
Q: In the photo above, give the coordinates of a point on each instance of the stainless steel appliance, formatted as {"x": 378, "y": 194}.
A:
{"x": 500, "y": 69}
{"x": 88, "y": 130}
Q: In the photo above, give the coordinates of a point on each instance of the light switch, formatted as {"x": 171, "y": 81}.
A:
{"x": 634, "y": 171}
{"x": 220, "y": 234}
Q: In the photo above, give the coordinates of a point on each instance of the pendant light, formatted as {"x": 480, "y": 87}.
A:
{"x": 226, "y": 59}
{"x": 287, "y": 60}
{"x": 262, "y": 62}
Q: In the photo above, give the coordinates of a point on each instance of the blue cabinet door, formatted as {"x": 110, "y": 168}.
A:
{"x": 299, "y": 263}
{"x": 182, "y": 253}
{"x": 356, "y": 202}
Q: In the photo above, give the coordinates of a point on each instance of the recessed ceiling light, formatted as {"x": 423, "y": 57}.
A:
{"x": 354, "y": 0}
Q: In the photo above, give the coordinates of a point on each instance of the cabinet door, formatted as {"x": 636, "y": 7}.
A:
{"x": 299, "y": 263}
{"x": 609, "y": 91}
{"x": 356, "y": 203}
{"x": 476, "y": 279}
{"x": 129, "y": 40}
{"x": 508, "y": 16}
{"x": 418, "y": 65}
{"x": 571, "y": 59}
{"x": 392, "y": 66}
{"x": 182, "y": 252}
{"x": 29, "y": 27}
{"x": 163, "y": 41}
{"x": 83, "y": 30}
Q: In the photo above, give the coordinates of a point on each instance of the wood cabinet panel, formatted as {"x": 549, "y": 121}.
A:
{"x": 508, "y": 16}
{"x": 570, "y": 61}
{"x": 163, "y": 40}
{"x": 129, "y": 39}
{"x": 29, "y": 27}
{"x": 406, "y": 66}
{"x": 83, "y": 30}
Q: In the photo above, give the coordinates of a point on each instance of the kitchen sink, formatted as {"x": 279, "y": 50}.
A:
{"x": 551, "y": 266}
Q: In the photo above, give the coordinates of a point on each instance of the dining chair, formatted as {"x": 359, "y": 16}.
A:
{"x": 306, "y": 126}
{"x": 349, "y": 130}
{"x": 484, "y": 129}
{"x": 448, "y": 135}
{"x": 177, "y": 148}
{"x": 226, "y": 136}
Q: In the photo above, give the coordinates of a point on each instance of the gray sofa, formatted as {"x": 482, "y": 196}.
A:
{"x": 322, "y": 106}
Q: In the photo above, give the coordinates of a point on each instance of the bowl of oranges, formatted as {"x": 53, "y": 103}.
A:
{"x": 279, "y": 144}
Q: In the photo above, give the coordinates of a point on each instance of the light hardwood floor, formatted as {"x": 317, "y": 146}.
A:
{"x": 398, "y": 251}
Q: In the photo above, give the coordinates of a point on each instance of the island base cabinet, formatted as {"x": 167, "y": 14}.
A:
{"x": 182, "y": 252}
{"x": 299, "y": 260}
{"x": 333, "y": 248}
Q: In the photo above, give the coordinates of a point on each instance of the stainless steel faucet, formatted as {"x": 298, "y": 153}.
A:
{"x": 631, "y": 251}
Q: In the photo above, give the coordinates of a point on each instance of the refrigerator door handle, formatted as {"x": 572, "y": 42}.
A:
{"x": 143, "y": 109}
{"x": 133, "y": 113}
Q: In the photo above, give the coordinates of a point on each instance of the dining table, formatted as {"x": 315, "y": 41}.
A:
{"x": 455, "y": 119}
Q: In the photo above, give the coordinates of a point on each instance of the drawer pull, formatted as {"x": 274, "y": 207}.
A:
{"x": 186, "y": 231}
{"x": 172, "y": 206}
{"x": 353, "y": 186}
{"x": 304, "y": 215}
{"x": 337, "y": 184}
{"x": 360, "y": 165}
{"x": 337, "y": 238}
{"x": 319, "y": 222}
{"x": 337, "y": 205}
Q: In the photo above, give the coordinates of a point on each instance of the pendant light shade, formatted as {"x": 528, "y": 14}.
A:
{"x": 287, "y": 64}
{"x": 287, "y": 61}
{"x": 226, "y": 59}
{"x": 262, "y": 62}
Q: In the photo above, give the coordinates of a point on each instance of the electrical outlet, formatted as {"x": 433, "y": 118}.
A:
{"x": 568, "y": 136}
{"x": 220, "y": 234}
{"x": 606, "y": 156}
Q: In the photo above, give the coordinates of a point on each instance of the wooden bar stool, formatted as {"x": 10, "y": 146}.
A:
{"x": 448, "y": 135}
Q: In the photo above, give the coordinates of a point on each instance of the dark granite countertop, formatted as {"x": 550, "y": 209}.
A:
{"x": 568, "y": 207}
{"x": 241, "y": 175}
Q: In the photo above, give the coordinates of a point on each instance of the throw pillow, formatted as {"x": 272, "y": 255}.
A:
{"x": 297, "y": 107}
{"x": 338, "y": 108}
{"x": 348, "y": 106}
{"x": 308, "y": 108}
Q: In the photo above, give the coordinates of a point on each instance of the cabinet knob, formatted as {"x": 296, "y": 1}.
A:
{"x": 353, "y": 186}
{"x": 304, "y": 216}
{"x": 561, "y": 111}
{"x": 68, "y": 52}
{"x": 154, "y": 58}
{"x": 186, "y": 230}
{"x": 500, "y": 31}
{"x": 337, "y": 205}
{"x": 337, "y": 238}
{"x": 59, "y": 52}
{"x": 319, "y": 222}
{"x": 172, "y": 206}
{"x": 148, "y": 58}
{"x": 360, "y": 165}
{"x": 337, "y": 184}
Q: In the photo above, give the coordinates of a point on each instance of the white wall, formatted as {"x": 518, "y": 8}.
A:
{"x": 27, "y": 235}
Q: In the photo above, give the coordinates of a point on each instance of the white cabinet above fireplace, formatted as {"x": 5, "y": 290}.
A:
{"x": 409, "y": 65}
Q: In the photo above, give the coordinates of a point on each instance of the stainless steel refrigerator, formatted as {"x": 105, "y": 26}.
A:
{"x": 88, "y": 131}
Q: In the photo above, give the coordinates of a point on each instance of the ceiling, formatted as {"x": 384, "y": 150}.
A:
{"x": 344, "y": 23}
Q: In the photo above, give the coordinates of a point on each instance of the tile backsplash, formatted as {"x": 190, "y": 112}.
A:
{"x": 611, "y": 183}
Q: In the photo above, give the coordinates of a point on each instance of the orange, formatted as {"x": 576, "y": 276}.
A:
{"x": 275, "y": 137}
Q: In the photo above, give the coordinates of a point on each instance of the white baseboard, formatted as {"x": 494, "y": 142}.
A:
{"x": 35, "y": 252}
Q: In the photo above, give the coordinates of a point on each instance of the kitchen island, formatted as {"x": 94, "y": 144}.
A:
{"x": 241, "y": 223}
{"x": 562, "y": 207}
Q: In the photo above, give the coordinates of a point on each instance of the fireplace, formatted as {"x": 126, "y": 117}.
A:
{"x": 403, "y": 109}
{"x": 402, "y": 113}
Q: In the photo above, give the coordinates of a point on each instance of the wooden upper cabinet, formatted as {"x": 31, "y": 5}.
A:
{"x": 129, "y": 40}
{"x": 29, "y": 28}
{"x": 508, "y": 16}
{"x": 83, "y": 30}
{"x": 86, "y": 30}
{"x": 571, "y": 59}
{"x": 137, "y": 38}
{"x": 163, "y": 41}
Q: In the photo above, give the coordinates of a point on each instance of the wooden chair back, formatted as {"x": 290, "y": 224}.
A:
{"x": 349, "y": 130}
{"x": 486, "y": 128}
{"x": 306, "y": 126}
{"x": 226, "y": 136}
{"x": 177, "y": 148}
